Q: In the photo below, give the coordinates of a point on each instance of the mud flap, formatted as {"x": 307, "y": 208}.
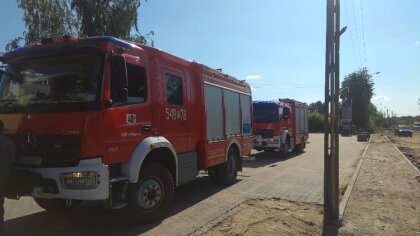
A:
{"x": 239, "y": 163}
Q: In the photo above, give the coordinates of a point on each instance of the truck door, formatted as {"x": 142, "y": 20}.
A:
{"x": 129, "y": 122}
{"x": 174, "y": 124}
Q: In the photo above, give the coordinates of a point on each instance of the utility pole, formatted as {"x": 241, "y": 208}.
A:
{"x": 331, "y": 134}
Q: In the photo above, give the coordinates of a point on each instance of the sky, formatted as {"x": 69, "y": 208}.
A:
{"x": 278, "y": 46}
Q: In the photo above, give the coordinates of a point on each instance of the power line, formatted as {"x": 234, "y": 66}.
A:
{"x": 363, "y": 30}
{"x": 357, "y": 32}
{"x": 351, "y": 33}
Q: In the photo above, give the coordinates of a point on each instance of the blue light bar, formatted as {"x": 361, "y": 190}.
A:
{"x": 265, "y": 102}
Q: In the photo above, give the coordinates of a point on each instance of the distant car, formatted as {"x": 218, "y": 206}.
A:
{"x": 403, "y": 130}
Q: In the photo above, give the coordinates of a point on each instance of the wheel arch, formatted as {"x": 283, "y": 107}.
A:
{"x": 152, "y": 149}
{"x": 237, "y": 147}
{"x": 286, "y": 134}
{"x": 233, "y": 144}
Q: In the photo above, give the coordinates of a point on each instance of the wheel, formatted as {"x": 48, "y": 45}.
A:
{"x": 151, "y": 196}
{"x": 299, "y": 148}
{"x": 226, "y": 173}
{"x": 285, "y": 147}
{"x": 57, "y": 205}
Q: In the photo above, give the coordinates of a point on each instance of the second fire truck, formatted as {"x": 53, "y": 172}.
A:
{"x": 280, "y": 125}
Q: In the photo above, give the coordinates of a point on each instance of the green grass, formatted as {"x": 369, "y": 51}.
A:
{"x": 343, "y": 189}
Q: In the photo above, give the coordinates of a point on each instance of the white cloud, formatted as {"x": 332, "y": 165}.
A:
{"x": 379, "y": 98}
{"x": 253, "y": 77}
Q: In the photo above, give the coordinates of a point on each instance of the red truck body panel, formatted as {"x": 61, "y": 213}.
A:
{"x": 106, "y": 133}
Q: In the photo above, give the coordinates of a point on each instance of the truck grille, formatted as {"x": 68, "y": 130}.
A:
{"x": 46, "y": 151}
{"x": 265, "y": 133}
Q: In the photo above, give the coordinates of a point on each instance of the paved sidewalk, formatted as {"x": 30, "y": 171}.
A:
{"x": 386, "y": 196}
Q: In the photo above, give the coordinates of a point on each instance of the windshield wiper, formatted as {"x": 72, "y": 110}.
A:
{"x": 8, "y": 100}
{"x": 11, "y": 105}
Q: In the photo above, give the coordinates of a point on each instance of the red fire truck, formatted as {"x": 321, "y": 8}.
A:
{"x": 105, "y": 119}
{"x": 281, "y": 125}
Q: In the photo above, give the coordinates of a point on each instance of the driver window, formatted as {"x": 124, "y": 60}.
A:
{"x": 136, "y": 83}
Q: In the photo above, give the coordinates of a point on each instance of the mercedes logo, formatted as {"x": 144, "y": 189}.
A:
{"x": 29, "y": 141}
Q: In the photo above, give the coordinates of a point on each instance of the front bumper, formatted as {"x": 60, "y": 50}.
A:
{"x": 261, "y": 143}
{"x": 53, "y": 175}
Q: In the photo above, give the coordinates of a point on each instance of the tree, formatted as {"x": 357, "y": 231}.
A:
{"x": 13, "y": 44}
{"x": 108, "y": 17}
{"x": 55, "y": 18}
{"x": 316, "y": 122}
{"x": 47, "y": 18}
{"x": 317, "y": 106}
{"x": 358, "y": 86}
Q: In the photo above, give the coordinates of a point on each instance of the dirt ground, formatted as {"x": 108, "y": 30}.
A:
{"x": 272, "y": 217}
{"x": 386, "y": 196}
{"x": 385, "y": 200}
{"x": 409, "y": 146}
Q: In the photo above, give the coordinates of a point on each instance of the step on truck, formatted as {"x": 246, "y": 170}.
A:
{"x": 105, "y": 119}
{"x": 280, "y": 125}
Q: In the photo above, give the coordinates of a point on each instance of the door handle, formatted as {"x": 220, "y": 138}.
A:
{"x": 146, "y": 128}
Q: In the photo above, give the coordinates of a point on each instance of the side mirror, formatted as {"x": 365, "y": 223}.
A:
{"x": 286, "y": 113}
{"x": 119, "y": 81}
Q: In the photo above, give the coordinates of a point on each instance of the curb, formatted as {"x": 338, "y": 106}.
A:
{"x": 408, "y": 161}
{"x": 346, "y": 197}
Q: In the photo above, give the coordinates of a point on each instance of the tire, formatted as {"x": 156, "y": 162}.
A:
{"x": 227, "y": 172}
{"x": 212, "y": 175}
{"x": 152, "y": 195}
{"x": 285, "y": 148}
{"x": 300, "y": 147}
{"x": 57, "y": 205}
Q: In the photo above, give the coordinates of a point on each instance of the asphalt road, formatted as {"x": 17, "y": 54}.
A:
{"x": 199, "y": 205}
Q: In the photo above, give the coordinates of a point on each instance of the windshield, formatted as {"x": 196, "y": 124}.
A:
{"x": 265, "y": 112}
{"x": 68, "y": 83}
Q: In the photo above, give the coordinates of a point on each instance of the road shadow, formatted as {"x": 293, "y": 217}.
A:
{"x": 96, "y": 220}
{"x": 264, "y": 158}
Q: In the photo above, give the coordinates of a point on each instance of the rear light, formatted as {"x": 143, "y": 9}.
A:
{"x": 80, "y": 180}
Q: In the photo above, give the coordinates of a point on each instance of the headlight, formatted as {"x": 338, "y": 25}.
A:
{"x": 273, "y": 141}
{"x": 80, "y": 180}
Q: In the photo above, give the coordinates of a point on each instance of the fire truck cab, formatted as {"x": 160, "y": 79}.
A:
{"x": 105, "y": 119}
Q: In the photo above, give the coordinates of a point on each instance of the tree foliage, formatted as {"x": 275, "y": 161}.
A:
{"x": 55, "y": 18}
{"x": 317, "y": 106}
{"x": 358, "y": 86}
{"x": 316, "y": 122}
{"x": 107, "y": 17}
{"x": 47, "y": 18}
